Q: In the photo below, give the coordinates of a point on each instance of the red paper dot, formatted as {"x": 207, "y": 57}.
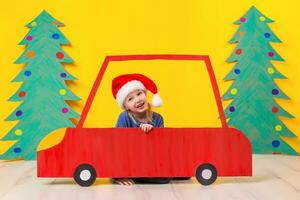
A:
{"x": 60, "y": 55}
{"x": 238, "y": 51}
{"x": 275, "y": 109}
{"x": 22, "y": 94}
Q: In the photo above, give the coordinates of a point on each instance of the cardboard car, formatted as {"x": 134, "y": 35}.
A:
{"x": 206, "y": 153}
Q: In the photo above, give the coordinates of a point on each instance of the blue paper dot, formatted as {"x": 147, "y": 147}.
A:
{"x": 275, "y": 143}
{"x": 237, "y": 71}
{"x": 267, "y": 35}
{"x": 27, "y": 73}
{"x": 17, "y": 150}
{"x": 55, "y": 36}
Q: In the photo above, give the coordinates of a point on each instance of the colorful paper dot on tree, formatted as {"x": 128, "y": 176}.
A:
{"x": 19, "y": 113}
{"x": 262, "y": 18}
{"x": 233, "y": 91}
{"x": 243, "y": 19}
{"x": 237, "y": 71}
{"x": 17, "y": 150}
{"x": 54, "y": 23}
{"x": 267, "y": 35}
{"x": 275, "y": 92}
{"x": 64, "y": 110}
{"x": 275, "y": 143}
{"x": 29, "y": 38}
{"x": 22, "y": 94}
{"x": 63, "y": 75}
{"x": 30, "y": 54}
{"x": 238, "y": 51}
{"x": 62, "y": 91}
{"x": 55, "y": 36}
{"x": 271, "y": 70}
{"x": 241, "y": 33}
{"x": 60, "y": 55}
{"x": 232, "y": 109}
{"x": 33, "y": 24}
{"x": 271, "y": 54}
{"x": 275, "y": 109}
{"x": 278, "y": 127}
{"x": 27, "y": 73}
{"x": 19, "y": 132}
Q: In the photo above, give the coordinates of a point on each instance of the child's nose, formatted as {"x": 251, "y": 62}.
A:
{"x": 137, "y": 99}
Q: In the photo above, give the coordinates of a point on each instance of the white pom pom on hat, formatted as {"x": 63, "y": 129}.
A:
{"x": 124, "y": 84}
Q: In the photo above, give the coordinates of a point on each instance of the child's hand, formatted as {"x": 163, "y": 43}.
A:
{"x": 146, "y": 127}
{"x": 124, "y": 181}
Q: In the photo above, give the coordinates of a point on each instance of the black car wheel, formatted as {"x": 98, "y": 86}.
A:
{"x": 85, "y": 175}
{"x": 206, "y": 174}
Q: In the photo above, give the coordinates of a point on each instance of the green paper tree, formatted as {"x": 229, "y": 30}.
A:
{"x": 43, "y": 92}
{"x": 254, "y": 109}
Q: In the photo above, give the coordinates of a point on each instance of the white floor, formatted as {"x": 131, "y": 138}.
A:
{"x": 274, "y": 177}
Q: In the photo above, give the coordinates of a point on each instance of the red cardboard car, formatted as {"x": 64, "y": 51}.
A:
{"x": 88, "y": 153}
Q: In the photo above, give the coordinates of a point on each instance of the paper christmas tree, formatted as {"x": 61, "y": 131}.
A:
{"x": 254, "y": 109}
{"x": 43, "y": 92}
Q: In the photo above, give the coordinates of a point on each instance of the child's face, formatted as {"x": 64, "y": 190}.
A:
{"x": 136, "y": 101}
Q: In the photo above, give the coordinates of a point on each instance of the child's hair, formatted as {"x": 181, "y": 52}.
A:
{"x": 149, "y": 114}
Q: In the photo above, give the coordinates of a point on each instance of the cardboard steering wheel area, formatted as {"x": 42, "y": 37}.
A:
{"x": 207, "y": 153}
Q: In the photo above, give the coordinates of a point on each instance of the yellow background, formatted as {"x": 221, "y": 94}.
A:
{"x": 97, "y": 28}
{"x": 185, "y": 101}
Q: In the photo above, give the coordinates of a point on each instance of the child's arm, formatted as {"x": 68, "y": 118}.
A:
{"x": 160, "y": 122}
{"x": 122, "y": 121}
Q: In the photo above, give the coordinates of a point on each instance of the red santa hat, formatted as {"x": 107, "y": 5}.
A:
{"x": 124, "y": 84}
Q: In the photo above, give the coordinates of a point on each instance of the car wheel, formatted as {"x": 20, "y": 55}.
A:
{"x": 85, "y": 175}
{"x": 206, "y": 174}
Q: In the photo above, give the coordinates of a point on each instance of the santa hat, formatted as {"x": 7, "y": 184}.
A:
{"x": 124, "y": 84}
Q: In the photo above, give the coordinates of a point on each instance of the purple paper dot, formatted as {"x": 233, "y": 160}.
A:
{"x": 29, "y": 38}
{"x": 232, "y": 109}
{"x": 65, "y": 110}
{"x": 275, "y": 91}
{"x": 243, "y": 19}
{"x": 271, "y": 54}
{"x": 19, "y": 113}
{"x": 63, "y": 75}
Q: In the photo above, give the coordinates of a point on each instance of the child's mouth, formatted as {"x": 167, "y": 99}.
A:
{"x": 140, "y": 105}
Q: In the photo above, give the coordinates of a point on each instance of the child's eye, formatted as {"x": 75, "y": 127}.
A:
{"x": 130, "y": 99}
{"x": 139, "y": 93}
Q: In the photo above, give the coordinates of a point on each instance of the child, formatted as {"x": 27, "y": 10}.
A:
{"x": 130, "y": 91}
